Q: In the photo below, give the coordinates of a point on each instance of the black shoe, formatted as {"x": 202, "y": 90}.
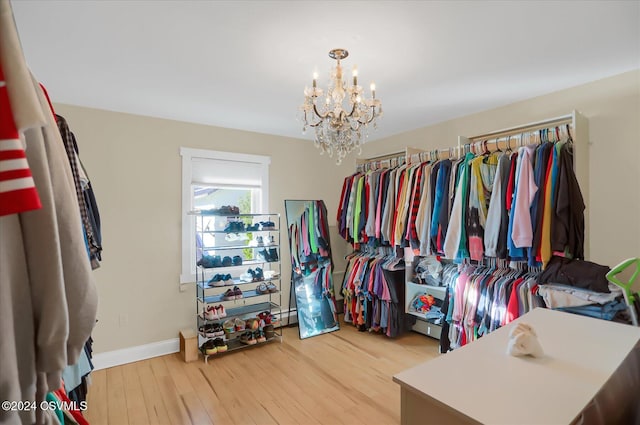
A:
{"x": 273, "y": 254}
{"x": 237, "y": 260}
{"x": 226, "y": 261}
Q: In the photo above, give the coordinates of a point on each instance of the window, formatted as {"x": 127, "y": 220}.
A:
{"x": 211, "y": 179}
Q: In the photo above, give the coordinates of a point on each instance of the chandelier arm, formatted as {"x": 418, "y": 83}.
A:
{"x": 373, "y": 116}
{"x": 315, "y": 109}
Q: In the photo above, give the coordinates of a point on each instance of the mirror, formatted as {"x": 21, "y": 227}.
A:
{"x": 311, "y": 268}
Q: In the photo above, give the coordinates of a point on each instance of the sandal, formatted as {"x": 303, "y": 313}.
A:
{"x": 262, "y": 289}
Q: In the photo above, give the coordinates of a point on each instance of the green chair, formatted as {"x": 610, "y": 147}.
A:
{"x": 632, "y": 300}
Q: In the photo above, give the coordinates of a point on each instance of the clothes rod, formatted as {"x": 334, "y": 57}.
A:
{"x": 553, "y": 122}
{"x": 380, "y": 158}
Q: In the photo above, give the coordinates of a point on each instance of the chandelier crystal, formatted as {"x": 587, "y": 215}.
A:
{"x": 342, "y": 117}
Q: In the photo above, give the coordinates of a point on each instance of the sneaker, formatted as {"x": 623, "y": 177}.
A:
{"x": 229, "y": 295}
{"x": 237, "y": 260}
{"x": 273, "y": 254}
{"x": 229, "y": 326}
{"x": 272, "y": 240}
{"x": 271, "y": 287}
{"x": 222, "y": 313}
{"x": 210, "y": 313}
{"x": 248, "y": 338}
{"x": 259, "y": 274}
{"x": 226, "y": 261}
{"x": 238, "y": 292}
{"x": 252, "y": 324}
{"x": 239, "y": 324}
{"x": 221, "y": 345}
{"x": 260, "y": 336}
{"x": 259, "y": 241}
{"x": 206, "y": 331}
{"x": 216, "y": 280}
{"x": 263, "y": 256}
{"x": 217, "y": 330}
{"x": 253, "y": 227}
{"x": 209, "y": 261}
{"x": 262, "y": 289}
{"x": 226, "y": 280}
{"x": 209, "y": 347}
{"x": 268, "y": 225}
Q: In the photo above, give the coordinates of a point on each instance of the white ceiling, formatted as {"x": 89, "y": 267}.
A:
{"x": 244, "y": 64}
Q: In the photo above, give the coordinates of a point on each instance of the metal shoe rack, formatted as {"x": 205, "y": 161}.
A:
{"x": 213, "y": 240}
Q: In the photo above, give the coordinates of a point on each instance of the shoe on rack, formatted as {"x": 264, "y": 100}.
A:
{"x": 252, "y": 324}
{"x": 222, "y": 313}
{"x": 216, "y": 281}
{"x": 210, "y": 313}
{"x": 263, "y": 256}
{"x": 248, "y": 338}
{"x": 268, "y": 225}
{"x": 272, "y": 288}
{"x": 272, "y": 240}
{"x": 217, "y": 330}
{"x": 273, "y": 254}
{"x": 226, "y": 261}
{"x": 226, "y": 280}
{"x": 259, "y": 274}
{"x": 259, "y": 241}
{"x": 229, "y": 295}
{"x": 206, "y": 331}
{"x": 209, "y": 261}
{"x": 237, "y": 260}
{"x": 221, "y": 345}
{"x": 239, "y": 324}
{"x": 262, "y": 289}
{"x": 209, "y": 347}
{"x": 260, "y": 336}
{"x": 238, "y": 292}
{"x": 229, "y": 326}
{"x": 253, "y": 227}
{"x": 269, "y": 331}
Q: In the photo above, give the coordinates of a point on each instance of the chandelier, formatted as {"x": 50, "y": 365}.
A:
{"x": 342, "y": 118}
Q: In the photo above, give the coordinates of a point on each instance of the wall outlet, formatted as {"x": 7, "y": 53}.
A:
{"x": 124, "y": 320}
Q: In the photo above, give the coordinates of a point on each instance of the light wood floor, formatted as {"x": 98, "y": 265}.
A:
{"x": 339, "y": 378}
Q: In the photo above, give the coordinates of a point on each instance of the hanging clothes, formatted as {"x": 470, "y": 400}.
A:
{"x": 48, "y": 299}
{"x": 373, "y": 290}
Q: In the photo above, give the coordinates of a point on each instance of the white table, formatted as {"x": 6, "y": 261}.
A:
{"x": 481, "y": 383}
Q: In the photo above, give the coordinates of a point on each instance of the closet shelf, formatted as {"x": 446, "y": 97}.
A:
{"x": 210, "y": 299}
{"x": 244, "y": 263}
{"x": 222, "y": 248}
{"x": 205, "y": 214}
{"x": 235, "y": 344}
{"x": 222, "y": 232}
{"x": 236, "y": 282}
{"x": 241, "y": 311}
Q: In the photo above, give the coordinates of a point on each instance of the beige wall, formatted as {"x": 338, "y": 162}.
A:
{"x": 134, "y": 165}
{"x": 612, "y": 107}
{"x": 135, "y": 169}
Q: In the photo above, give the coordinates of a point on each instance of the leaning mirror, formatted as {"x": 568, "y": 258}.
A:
{"x": 311, "y": 267}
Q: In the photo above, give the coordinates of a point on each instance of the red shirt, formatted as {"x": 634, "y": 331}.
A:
{"x": 17, "y": 188}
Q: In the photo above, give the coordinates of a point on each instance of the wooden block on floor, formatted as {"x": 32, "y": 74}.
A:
{"x": 188, "y": 345}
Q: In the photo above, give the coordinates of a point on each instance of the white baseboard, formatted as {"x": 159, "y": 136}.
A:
{"x": 134, "y": 354}
{"x": 141, "y": 352}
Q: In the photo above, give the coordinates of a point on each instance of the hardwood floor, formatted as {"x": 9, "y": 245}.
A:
{"x": 339, "y": 378}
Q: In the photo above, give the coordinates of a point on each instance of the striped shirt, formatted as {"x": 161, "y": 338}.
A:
{"x": 17, "y": 188}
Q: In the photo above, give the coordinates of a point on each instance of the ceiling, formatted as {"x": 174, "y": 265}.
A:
{"x": 244, "y": 64}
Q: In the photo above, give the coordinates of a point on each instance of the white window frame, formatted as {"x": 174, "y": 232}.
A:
{"x": 188, "y": 221}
